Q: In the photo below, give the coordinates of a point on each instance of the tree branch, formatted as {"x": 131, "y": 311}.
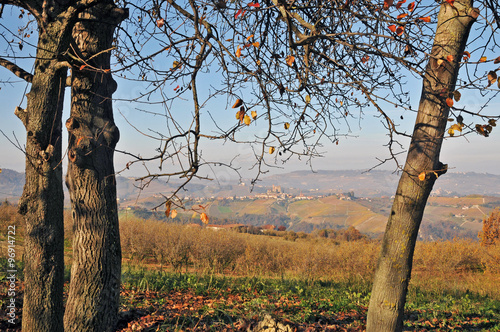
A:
{"x": 16, "y": 70}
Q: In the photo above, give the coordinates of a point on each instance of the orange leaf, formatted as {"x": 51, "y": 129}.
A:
{"x": 160, "y": 22}
{"x": 483, "y": 59}
{"x": 254, "y": 4}
{"x": 425, "y": 19}
{"x": 238, "y": 13}
{"x": 174, "y": 214}
{"x": 449, "y": 58}
{"x": 411, "y": 6}
{"x": 466, "y": 55}
{"x": 79, "y": 141}
{"x": 238, "y": 103}
{"x": 107, "y": 71}
{"x": 365, "y": 59}
{"x": 400, "y": 16}
{"x": 449, "y": 102}
{"x": 289, "y": 60}
{"x": 176, "y": 88}
{"x": 204, "y": 218}
{"x": 392, "y": 28}
{"x": 238, "y": 52}
{"x": 167, "y": 208}
{"x": 451, "y": 2}
{"x": 249, "y": 37}
{"x": 421, "y": 176}
{"x": 400, "y": 3}
{"x": 82, "y": 66}
{"x": 271, "y": 149}
{"x": 400, "y": 30}
{"x": 256, "y": 44}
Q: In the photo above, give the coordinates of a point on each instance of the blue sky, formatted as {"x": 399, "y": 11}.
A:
{"x": 360, "y": 150}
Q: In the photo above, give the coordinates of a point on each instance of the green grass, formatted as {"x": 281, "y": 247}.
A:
{"x": 234, "y": 300}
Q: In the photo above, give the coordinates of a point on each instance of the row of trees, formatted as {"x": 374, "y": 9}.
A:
{"x": 303, "y": 68}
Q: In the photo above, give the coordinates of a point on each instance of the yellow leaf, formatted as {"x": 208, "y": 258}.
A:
{"x": 174, "y": 214}
{"x": 287, "y": 125}
{"x": 483, "y": 59}
{"x": 240, "y": 115}
{"x": 308, "y": 99}
{"x": 204, "y": 218}
{"x": 440, "y": 62}
{"x": 271, "y": 149}
{"x": 247, "y": 120}
{"x": 194, "y": 215}
{"x": 254, "y": 115}
{"x": 421, "y": 176}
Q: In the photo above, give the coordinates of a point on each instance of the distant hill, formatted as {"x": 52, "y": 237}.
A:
{"x": 370, "y": 184}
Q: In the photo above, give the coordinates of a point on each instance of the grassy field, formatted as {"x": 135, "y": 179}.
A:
{"x": 180, "y": 278}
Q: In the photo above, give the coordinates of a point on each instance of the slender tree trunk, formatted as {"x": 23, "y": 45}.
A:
{"x": 93, "y": 298}
{"x": 42, "y": 199}
{"x": 393, "y": 272}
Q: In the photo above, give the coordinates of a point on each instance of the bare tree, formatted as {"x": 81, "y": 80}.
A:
{"x": 310, "y": 67}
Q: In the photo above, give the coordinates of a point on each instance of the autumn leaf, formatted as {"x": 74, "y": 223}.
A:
{"x": 400, "y": 30}
{"x": 82, "y": 66}
{"x": 167, "y": 208}
{"x": 400, "y": 16}
{"x": 466, "y": 55}
{"x": 400, "y": 3}
{"x": 238, "y": 103}
{"x": 160, "y": 22}
{"x": 238, "y": 52}
{"x": 451, "y": 2}
{"x": 411, "y": 6}
{"x": 308, "y": 99}
{"x": 247, "y": 120}
{"x": 254, "y": 115}
{"x": 250, "y": 37}
{"x": 173, "y": 214}
{"x": 289, "y": 60}
{"x": 107, "y": 71}
{"x": 271, "y": 149}
{"x": 457, "y": 95}
{"x": 421, "y": 176}
{"x": 176, "y": 88}
{"x": 204, "y": 218}
{"x": 449, "y": 102}
{"x": 439, "y": 62}
{"x": 287, "y": 125}
{"x": 449, "y": 58}
{"x": 255, "y": 44}
{"x": 238, "y": 13}
{"x": 365, "y": 59}
{"x": 254, "y": 4}
{"x": 483, "y": 59}
{"x": 491, "y": 122}
{"x": 492, "y": 77}
{"x": 240, "y": 115}
{"x": 388, "y": 3}
{"x": 497, "y": 60}
{"x": 392, "y": 27}
{"x": 453, "y": 128}
{"x": 426, "y": 19}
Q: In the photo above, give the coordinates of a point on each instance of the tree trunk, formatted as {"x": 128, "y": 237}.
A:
{"x": 93, "y": 298}
{"x": 393, "y": 272}
{"x": 42, "y": 199}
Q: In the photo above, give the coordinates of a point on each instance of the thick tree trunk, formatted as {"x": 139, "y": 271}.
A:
{"x": 93, "y": 298}
{"x": 42, "y": 199}
{"x": 393, "y": 272}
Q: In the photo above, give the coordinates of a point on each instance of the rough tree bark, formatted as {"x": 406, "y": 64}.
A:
{"x": 393, "y": 272}
{"x": 93, "y": 298}
{"x": 42, "y": 199}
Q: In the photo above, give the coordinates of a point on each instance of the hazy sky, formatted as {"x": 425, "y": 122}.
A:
{"x": 359, "y": 151}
